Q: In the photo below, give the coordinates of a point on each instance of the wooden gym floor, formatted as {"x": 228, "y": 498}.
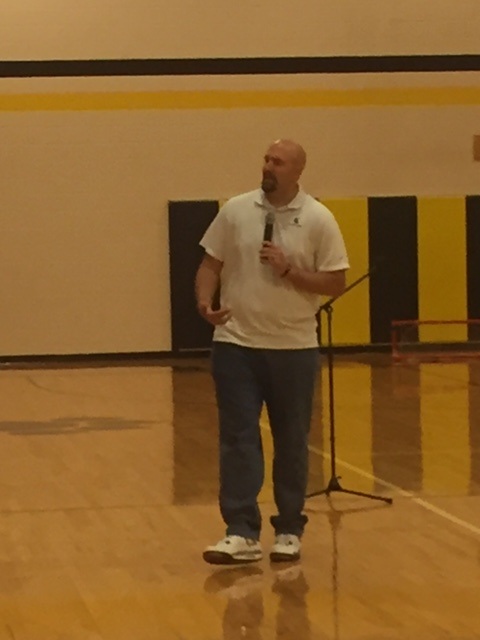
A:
{"x": 108, "y": 484}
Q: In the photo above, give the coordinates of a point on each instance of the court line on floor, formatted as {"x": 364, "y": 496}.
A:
{"x": 406, "y": 494}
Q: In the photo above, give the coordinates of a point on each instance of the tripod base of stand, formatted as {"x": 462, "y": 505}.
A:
{"x": 335, "y": 486}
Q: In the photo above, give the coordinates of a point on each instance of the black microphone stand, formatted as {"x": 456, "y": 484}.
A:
{"x": 334, "y": 484}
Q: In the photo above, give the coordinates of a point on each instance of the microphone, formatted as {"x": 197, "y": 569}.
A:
{"x": 268, "y": 232}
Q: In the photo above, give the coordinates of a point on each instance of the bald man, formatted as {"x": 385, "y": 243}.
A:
{"x": 265, "y": 348}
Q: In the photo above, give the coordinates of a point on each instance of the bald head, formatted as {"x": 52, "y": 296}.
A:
{"x": 283, "y": 165}
{"x": 294, "y": 150}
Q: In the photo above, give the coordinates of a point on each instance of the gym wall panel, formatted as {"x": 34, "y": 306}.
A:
{"x": 351, "y": 324}
{"x": 472, "y": 204}
{"x": 442, "y": 267}
{"x": 392, "y": 238}
{"x": 187, "y": 222}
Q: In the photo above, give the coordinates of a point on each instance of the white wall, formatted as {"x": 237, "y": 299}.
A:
{"x": 154, "y": 28}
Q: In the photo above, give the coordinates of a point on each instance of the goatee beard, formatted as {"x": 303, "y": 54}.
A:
{"x": 269, "y": 184}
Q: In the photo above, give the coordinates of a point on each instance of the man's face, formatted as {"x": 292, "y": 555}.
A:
{"x": 280, "y": 169}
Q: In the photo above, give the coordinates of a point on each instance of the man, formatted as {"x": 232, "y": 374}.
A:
{"x": 265, "y": 347}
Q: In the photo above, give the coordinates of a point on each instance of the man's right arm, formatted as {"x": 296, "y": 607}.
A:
{"x": 206, "y": 285}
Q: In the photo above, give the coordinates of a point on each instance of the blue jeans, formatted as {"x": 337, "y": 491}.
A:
{"x": 283, "y": 379}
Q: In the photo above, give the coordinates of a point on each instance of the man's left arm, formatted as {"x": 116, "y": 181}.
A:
{"x": 328, "y": 278}
{"x": 325, "y": 283}
{"x": 331, "y": 261}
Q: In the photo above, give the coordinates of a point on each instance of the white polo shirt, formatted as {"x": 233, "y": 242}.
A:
{"x": 268, "y": 312}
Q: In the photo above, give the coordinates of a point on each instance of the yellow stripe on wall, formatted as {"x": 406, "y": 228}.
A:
{"x": 225, "y": 99}
{"x": 444, "y": 416}
{"x": 351, "y": 316}
{"x": 442, "y": 286}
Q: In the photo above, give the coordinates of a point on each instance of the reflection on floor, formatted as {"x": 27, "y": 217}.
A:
{"x": 108, "y": 488}
{"x": 417, "y": 427}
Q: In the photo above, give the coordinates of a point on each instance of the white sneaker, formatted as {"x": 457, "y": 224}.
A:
{"x": 233, "y": 550}
{"x": 286, "y": 548}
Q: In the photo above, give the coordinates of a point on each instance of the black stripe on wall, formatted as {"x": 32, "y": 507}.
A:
{"x": 238, "y": 66}
{"x": 473, "y": 263}
{"x": 187, "y": 222}
{"x": 392, "y": 232}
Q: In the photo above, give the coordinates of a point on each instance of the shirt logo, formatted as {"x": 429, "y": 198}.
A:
{"x": 296, "y": 223}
